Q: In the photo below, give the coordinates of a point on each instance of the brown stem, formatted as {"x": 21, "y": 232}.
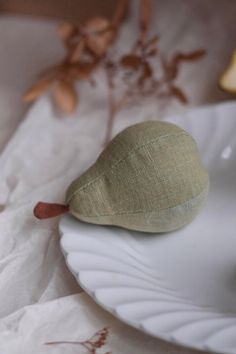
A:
{"x": 115, "y": 107}
{"x": 111, "y": 117}
{"x": 145, "y": 19}
{"x": 49, "y": 210}
{"x": 61, "y": 342}
{"x": 111, "y": 107}
{"x": 120, "y": 11}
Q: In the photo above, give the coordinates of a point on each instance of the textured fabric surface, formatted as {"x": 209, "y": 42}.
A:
{"x": 149, "y": 178}
{"x": 36, "y": 289}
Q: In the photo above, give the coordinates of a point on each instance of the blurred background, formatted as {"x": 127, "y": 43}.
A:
{"x": 29, "y": 43}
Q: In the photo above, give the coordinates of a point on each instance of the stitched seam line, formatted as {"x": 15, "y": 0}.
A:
{"x": 148, "y": 212}
{"x": 131, "y": 152}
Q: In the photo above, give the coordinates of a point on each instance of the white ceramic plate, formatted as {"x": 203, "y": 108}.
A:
{"x": 179, "y": 286}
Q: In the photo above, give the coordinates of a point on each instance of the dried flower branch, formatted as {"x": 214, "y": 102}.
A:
{"x": 86, "y": 45}
{"x": 142, "y": 72}
{"x": 145, "y": 18}
{"x": 119, "y": 14}
{"x": 97, "y": 341}
{"x": 145, "y": 71}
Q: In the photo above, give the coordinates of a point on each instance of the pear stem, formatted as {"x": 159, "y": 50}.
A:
{"x": 49, "y": 210}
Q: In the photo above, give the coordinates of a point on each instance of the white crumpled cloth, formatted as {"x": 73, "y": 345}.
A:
{"x": 40, "y": 300}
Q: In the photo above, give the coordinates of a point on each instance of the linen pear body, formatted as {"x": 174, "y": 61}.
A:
{"x": 149, "y": 178}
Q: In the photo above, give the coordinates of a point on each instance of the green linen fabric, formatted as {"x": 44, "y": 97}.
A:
{"x": 149, "y": 178}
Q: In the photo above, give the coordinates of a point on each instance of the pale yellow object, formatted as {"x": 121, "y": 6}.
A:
{"x": 228, "y": 79}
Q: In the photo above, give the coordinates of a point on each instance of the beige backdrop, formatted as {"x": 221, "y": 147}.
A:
{"x": 64, "y": 9}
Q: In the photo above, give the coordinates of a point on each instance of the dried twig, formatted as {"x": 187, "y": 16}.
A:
{"x": 120, "y": 12}
{"x": 141, "y": 80}
{"x": 145, "y": 18}
{"x": 97, "y": 341}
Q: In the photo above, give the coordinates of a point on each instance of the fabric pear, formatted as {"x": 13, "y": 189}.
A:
{"x": 149, "y": 178}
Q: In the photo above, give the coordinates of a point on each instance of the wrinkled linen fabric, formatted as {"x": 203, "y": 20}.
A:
{"x": 40, "y": 299}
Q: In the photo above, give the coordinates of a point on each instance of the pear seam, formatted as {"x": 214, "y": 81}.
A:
{"x": 205, "y": 190}
{"x": 153, "y": 141}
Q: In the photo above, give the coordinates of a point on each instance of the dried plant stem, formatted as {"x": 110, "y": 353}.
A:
{"x": 87, "y": 345}
{"x": 111, "y": 116}
{"x": 120, "y": 12}
{"x": 62, "y": 342}
{"x": 97, "y": 341}
{"x": 145, "y": 19}
{"x": 114, "y": 106}
{"x": 111, "y": 106}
